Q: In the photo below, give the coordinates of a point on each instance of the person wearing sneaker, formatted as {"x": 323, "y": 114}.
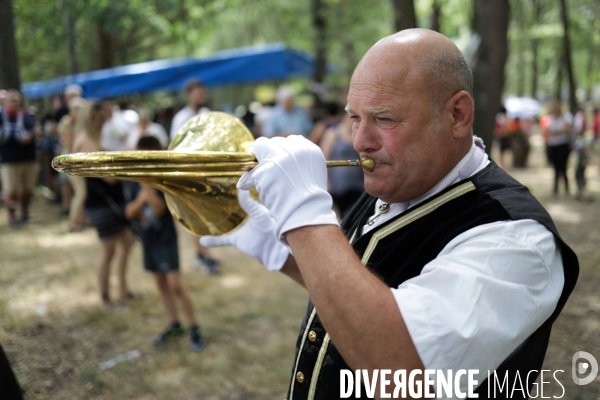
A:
{"x": 203, "y": 261}
{"x": 148, "y": 210}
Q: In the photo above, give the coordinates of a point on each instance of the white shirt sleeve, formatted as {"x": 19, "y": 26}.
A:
{"x": 486, "y": 292}
{"x": 159, "y": 133}
{"x": 176, "y": 124}
{"x": 268, "y": 129}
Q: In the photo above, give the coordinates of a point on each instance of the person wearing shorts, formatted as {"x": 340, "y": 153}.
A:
{"x": 18, "y": 165}
{"x": 153, "y": 223}
{"x": 104, "y": 206}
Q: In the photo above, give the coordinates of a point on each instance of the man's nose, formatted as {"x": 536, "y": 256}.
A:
{"x": 364, "y": 137}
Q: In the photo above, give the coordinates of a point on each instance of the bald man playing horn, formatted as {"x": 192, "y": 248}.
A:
{"x": 446, "y": 263}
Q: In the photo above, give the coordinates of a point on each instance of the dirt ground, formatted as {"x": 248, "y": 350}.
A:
{"x": 56, "y": 337}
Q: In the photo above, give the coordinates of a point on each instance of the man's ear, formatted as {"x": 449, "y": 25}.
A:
{"x": 463, "y": 109}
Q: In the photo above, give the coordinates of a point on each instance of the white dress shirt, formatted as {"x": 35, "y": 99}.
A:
{"x": 154, "y": 130}
{"x": 182, "y": 117}
{"x": 116, "y": 131}
{"x": 488, "y": 290}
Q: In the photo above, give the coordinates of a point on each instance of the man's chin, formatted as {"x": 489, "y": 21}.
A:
{"x": 375, "y": 189}
{"x": 379, "y": 189}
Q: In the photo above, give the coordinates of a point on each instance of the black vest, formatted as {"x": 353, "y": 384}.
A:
{"x": 399, "y": 249}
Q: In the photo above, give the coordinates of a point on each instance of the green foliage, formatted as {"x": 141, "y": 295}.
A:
{"x": 134, "y": 28}
{"x": 547, "y": 30}
{"x": 139, "y": 30}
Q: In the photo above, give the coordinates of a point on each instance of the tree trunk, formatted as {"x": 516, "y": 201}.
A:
{"x": 534, "y": 68}
{"x": 559, "y": 79}
{"x": 537, "y": 14}
{"x": 320, "y": 25}
{"x": 567, "y": 55}
{"x": 436, "y": 15}
{"x": 519, "y": 47}
{"x": 590, "y": 73}
{"x": 490, "y": 20}
{"x": 183, "y": 17}
{"x": 9, "y": 64}
{"x": 72, "y": 46}
{"x": 346, "y": 40}
{"x": 404, "y": 14}
{"x": 105, "y": 49}
{"x": 318, "y": 10}
{"x": 521, "y": 71}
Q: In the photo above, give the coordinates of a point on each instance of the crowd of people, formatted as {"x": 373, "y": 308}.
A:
{"x": 563, "y": 133}
{"x": 119, "y": 211}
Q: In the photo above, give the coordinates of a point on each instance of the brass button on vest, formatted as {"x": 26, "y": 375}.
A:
{"x": 300, "y": 377}
{"x": 312, "y": 336}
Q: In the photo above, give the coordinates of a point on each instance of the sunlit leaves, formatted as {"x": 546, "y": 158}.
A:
{"x": 150, "y": 29}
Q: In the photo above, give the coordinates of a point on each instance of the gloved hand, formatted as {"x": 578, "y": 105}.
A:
{"x": 291, "y": 178}
{"x": 255, "y": 237}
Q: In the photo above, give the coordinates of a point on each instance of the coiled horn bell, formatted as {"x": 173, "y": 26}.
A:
{"x": 198, "y": 172}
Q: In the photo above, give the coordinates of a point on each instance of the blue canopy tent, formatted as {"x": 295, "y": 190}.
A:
{"x": 234, "y": 66}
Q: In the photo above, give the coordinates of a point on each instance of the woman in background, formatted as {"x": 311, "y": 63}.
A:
{"x": 105, "y": 206}
{"x": 558, "y": 132}
{"x": 66, "y": 133}
{"x": 344, "y": 184}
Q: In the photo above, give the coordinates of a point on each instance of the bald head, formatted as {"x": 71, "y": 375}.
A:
{"x": 412, "y": 111}
{"x": 425, "y": 58}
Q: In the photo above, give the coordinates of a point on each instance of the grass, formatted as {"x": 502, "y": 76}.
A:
{"x": 55, "y": 335}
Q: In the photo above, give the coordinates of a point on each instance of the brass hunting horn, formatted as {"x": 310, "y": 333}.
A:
{"x": 198, "y": 172}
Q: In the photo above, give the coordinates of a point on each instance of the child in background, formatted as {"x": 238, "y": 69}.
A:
{"x": 583, "y": 154}
{"x": 147, "y": 206}
{"x": 520, "y": 142}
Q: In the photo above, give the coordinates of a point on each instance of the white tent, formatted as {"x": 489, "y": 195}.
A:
{"x": 521, "y": 107}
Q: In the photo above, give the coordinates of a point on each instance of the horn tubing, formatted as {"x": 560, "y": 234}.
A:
{"x": 118, "y": 164}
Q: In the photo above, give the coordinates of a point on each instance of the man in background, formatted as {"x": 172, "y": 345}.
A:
{"x": 195, "y": 92}
{"x": 145, "y": 127}
{"x": 286, "y": 119}
{"x": 17, "y": 157}
{"x": 71, "y": 91}
{"x": 116, "y": 129}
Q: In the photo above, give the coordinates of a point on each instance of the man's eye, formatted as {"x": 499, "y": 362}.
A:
{"x": 354, "y": 118}
{"x": 384, "y": 119}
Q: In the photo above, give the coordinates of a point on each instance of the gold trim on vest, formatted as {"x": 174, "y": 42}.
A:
{"x": 317, "y": 370}
{"x": 414, "y": 215}
{"x": 352, "y": 238}
{"x": 308, "y": 324}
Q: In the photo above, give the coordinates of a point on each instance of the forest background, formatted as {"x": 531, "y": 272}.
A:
{"x": 537, "y": 48}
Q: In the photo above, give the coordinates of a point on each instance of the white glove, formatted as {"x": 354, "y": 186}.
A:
{"x": 255, "y": 237}
{"x": 291, "y": 178}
